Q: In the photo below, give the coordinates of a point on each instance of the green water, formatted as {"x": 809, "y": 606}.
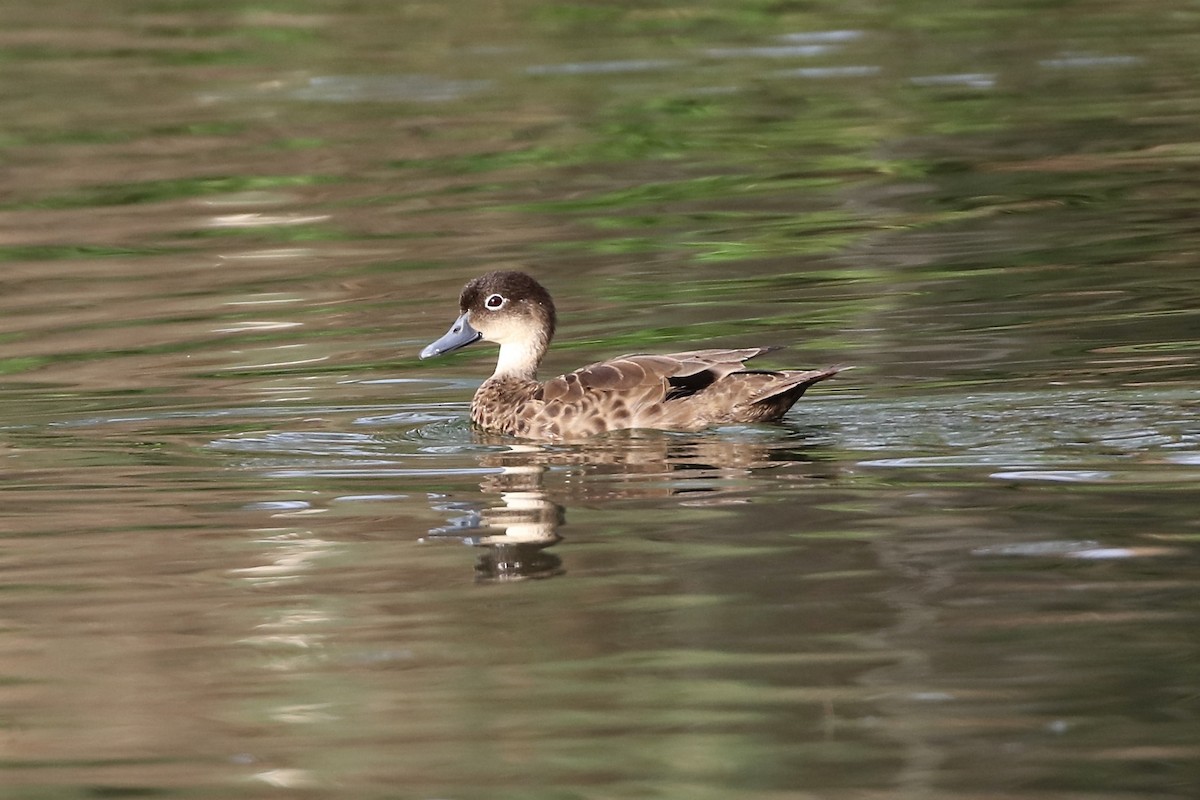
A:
{"x": 252, "y": 547}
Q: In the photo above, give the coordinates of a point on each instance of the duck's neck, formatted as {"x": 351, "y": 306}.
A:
{"x": 519, "y": 360}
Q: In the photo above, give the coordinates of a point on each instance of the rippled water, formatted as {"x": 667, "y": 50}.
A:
{"x": 252, "y": 546}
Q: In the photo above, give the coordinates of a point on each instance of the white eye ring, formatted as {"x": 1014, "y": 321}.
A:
{"x": 495, "y": 301}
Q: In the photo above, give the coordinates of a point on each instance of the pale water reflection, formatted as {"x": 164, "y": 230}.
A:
{"x": 514, "y": 533}
{"x": 697, "y": 471}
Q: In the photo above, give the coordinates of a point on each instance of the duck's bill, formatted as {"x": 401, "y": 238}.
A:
{"x": 460, "y": 335}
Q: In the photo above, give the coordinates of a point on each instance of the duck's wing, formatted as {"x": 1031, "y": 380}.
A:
{"x": 649, "y": 378}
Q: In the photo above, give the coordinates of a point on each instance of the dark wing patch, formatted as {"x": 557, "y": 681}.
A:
{"x": 689, "y": 384}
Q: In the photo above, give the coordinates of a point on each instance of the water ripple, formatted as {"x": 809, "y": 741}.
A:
{"x": 602, "y": 67}
{"x": 1083, "y": 549}
{"x": 386, "y": 89}
{"x": 1062, "y": 475}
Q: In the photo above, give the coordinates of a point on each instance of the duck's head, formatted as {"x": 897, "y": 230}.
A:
{"x": 506, "y": 307}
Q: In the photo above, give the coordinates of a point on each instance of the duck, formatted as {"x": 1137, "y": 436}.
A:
{"x": 687, "y": 391}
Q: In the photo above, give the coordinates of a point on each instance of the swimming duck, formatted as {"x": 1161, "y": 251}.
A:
{"x": 678, "y": 391}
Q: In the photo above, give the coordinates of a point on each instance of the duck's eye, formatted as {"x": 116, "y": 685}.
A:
{"x": 494, "y": 301}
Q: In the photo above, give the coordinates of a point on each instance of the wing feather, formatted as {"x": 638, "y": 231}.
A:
{"x": 652, "y": 378}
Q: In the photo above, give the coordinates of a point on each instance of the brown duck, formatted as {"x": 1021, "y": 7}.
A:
{"x": 678, "y": 391}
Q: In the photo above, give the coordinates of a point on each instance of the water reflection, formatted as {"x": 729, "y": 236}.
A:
{"x": 513, "y": 536}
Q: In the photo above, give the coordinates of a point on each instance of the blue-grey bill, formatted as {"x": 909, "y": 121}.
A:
{"x": 460, "y": 334}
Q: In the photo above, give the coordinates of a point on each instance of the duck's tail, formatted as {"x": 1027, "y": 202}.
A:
{"x": 781, "y": 392}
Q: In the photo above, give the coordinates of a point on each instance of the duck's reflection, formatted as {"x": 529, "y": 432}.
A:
{"x": 513, "y": 536}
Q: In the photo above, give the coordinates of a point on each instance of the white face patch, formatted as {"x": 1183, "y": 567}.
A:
{"x": 503, "y": 328}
